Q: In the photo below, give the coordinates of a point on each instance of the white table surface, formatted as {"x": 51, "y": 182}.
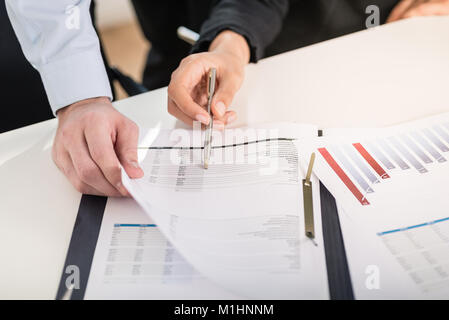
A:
{"x": 373, "y": 78}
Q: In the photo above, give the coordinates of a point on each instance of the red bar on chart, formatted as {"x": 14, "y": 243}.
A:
{"x": 342, "y": 175}
{"x": 372, "y": 162}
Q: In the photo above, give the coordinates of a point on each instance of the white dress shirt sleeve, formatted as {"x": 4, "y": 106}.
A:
{"x": 59, "y": 40}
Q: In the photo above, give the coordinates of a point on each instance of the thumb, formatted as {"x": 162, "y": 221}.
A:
{"x": 227, "y": 88}
{"x": 126, "y": 148}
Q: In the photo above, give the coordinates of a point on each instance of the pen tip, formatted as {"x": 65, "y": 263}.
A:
{"x": 206, "y": 165}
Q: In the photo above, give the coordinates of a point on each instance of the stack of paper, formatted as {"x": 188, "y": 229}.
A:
{"x": 237, "y": 229}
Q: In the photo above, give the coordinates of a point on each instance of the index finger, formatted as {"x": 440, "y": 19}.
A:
{"x": 179, "y": 93}
{"x": 102, "y": 151}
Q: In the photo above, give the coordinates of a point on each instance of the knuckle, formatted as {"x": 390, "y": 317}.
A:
{"x": 86, "y": 172}
{"x": 113, "y": 174}
{"x": 114, "y": 170}
{"x": 131, "y": 129}
{"x": 171, "y": 109}
{"x": 131, "y": 125}
{"x": 187, "y": 59}
{"x": 227, "y": 96}
{"x": 67, "y": 133}
{"x": 173, "y": 75}
{"x": 171, "y": 87}
{"x": 83, "y": 174}
{"x": 80, "y": 186}
{"x": 97, "y": 155}
{"x": 193, "y": 58}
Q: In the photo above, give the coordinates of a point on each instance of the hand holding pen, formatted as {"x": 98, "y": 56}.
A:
{"x": 187, "y": 93}
{"x": 211, "y": 82}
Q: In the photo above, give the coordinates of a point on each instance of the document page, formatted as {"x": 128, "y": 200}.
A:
{"x": 391, "y": 188}
{"x": 239, "y": 223}
{"x": 407, "y": 262}
{"x": 390, "y": 176}
{"x": 134, "y": 260}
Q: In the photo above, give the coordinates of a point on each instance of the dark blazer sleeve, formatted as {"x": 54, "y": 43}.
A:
{"x": 259, "y": 21}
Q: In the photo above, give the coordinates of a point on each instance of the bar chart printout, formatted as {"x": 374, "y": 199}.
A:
{"x": 423, "y": 252}
{"x": 343, "y": 176}
{"x": 364, "y": 166}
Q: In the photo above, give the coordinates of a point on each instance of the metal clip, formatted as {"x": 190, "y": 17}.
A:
{"x": 308, "y": 202}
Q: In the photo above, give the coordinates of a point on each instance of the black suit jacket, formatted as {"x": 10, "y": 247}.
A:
{"x": 276, "y": 26}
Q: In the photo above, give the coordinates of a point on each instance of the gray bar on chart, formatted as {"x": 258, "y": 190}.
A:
{"x": 380, "y": 155}
{"x": 415, "y": 148}
{"x": 352, "y": 170}
{"x": 418, "y": 166}
{"x": 442, "y": 133}
{"x": 350, "y": 151}
{"x": 396, "y": 158}
{"x": 432, "y": 137}
{"x": 426, "y": 145}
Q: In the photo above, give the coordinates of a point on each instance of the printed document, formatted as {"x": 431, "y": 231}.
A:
{"x": 391, "y": 188}
{"x": 240, "y": 223}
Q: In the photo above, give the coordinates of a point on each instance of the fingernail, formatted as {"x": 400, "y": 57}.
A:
{"x": 135, "y": 164}
{"x": 202, "y": 118}
{"x": 221, "y": 108}
{"x": 231, "y": 118}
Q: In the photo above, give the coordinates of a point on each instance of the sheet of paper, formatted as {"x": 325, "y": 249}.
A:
{"x": 387, "y": 177}
{"x": 134, "y": 260}
{"x": 391, "y": 188}
{"x": 408, "y": 262}
{"x": 240, "y": 223}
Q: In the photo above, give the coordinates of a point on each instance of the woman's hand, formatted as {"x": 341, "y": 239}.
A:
{"x": 187, "y": 92}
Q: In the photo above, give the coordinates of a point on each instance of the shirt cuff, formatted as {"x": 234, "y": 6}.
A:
{"x": 75, "y": 78}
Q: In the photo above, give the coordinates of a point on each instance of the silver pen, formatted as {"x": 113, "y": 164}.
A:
{"x": 211, "y": 78}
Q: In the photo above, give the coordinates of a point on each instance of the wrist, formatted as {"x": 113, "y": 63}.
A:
{"x": 72, "y": 106}
{"x": 232, "y": 43}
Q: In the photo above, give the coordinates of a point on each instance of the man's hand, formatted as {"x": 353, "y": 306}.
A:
{"x": 187, "y": 93}
{"x": 91, "y": 142}
{"x": 416, "y": 8}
